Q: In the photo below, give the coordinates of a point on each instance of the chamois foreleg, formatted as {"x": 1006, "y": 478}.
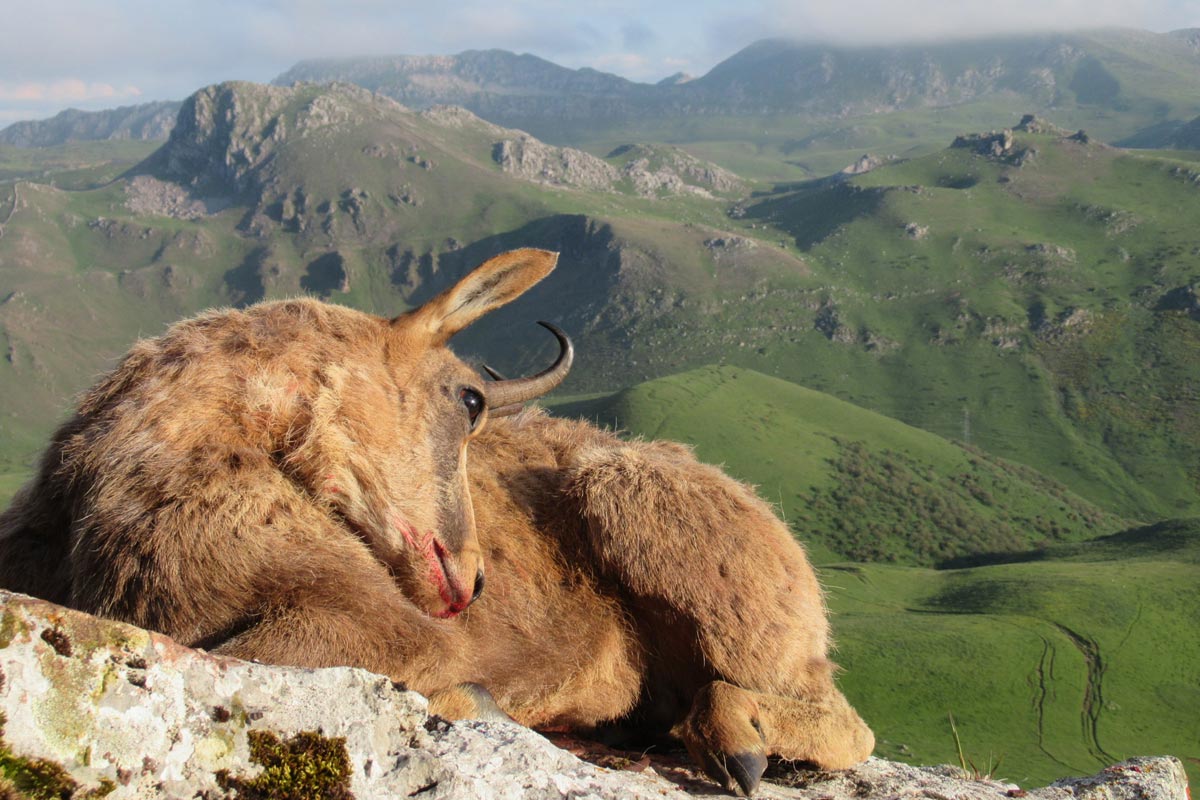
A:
{"x": 340, "y": 608}
{"x": 730, "y": 731}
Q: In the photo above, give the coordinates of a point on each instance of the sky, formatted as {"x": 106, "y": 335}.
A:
{"x": 90, "y": 54}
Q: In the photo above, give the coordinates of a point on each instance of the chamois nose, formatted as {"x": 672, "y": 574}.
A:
{"x": 478, "y": 586}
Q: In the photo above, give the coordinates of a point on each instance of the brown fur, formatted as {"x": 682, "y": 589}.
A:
{"x": 279, "y": 483}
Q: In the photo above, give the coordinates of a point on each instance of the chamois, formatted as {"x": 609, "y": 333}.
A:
{"x": 306, "y": 484}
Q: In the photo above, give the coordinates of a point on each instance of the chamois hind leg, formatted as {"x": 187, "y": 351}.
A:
{"x": 699, "y": 551}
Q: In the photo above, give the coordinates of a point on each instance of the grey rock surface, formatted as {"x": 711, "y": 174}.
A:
{"x": 110, "y": 708}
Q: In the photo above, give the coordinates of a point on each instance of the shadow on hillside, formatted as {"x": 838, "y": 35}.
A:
{"x": 1178, "y": 539}
{"x": 818, "y": 210}
{"x": 577, "y": 296}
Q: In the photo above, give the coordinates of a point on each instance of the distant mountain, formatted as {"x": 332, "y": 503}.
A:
{"x": 148, "y": 121}
{"x": 1136, "y": 74}
{"x": 1110, "y": 68}
{"x": 500, "y": 86}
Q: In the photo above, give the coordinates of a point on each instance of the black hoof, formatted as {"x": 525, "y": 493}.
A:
{"x": 747, "y": 769}
{"x": 739, "y": 774}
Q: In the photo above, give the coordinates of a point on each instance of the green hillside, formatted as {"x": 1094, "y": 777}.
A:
{"x": 1040, "y": 303}
{"x": 1061, "y": 664}
{"x": 77, "y": 165}
{"x": 853, "y": 484}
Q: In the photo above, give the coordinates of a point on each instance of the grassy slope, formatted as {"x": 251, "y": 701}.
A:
{"x": 75, "y": 165}
{"x": 1062, "y": 664}
{"x": 853, "y": 483}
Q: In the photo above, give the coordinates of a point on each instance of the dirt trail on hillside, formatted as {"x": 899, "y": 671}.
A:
{"x": 1093, "y": 694}
{"x": 16, "y": 199}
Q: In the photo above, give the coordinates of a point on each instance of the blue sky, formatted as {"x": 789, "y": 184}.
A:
{"x": 89, "y": 54}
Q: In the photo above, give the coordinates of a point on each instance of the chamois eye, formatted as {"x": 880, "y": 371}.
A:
{"x": 473, "y": 402}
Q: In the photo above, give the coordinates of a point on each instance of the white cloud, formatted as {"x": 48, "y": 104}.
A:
{"x": 886, "y": 21}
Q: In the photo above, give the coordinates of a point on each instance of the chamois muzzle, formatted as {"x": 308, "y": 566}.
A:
{"x": 505, "y": 397}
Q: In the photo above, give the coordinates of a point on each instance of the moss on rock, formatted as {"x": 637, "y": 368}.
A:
{"x": 307, "y": 766}
{"x": 8, "y": 627}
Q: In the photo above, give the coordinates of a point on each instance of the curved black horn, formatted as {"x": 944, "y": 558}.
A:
{"x": 506, "y": 396}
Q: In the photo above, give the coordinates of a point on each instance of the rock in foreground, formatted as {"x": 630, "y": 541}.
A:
{"x": 92, "y": 708}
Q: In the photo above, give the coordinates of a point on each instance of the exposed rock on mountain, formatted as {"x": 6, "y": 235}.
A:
{"x": 526, "y": 157}
{"x": 152, "y": 121}
{"x": 224, "y": 134}
{"x": 1030, "y": 123}
{"x": 676, "y": 79}
{"x": 996, "y": 145}
{"x": 865, "y": 163}
{"x": 92, "y": 708}
{"x": 650, "y": 170}
{"x": 656, "y": 170}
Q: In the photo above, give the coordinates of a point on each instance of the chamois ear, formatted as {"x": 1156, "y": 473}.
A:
{"x": 493, "y": 283}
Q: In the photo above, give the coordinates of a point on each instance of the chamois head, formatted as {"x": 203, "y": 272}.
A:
{"x": 444, "y": 404}
{"x": 379, "y": 435}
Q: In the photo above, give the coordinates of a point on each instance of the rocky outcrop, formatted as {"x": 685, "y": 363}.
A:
{"x": 865, "y": 163}
{"x": 657, "y": 170}
{"x": 1031, "y": 123}
{"x": 91, "y": 708}
{"x": 646, "y": 170}
{"x": 995, "y": 144}
{"x": 223, "y": 136}
{"x": 525, "y": 157}
{"x": 227, "y": 135}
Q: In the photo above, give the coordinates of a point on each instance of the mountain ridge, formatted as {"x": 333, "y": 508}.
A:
{"x": 1126, "y": 69}
{"x": 145, "y": 121}
{"x": 1123, "y": 80}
